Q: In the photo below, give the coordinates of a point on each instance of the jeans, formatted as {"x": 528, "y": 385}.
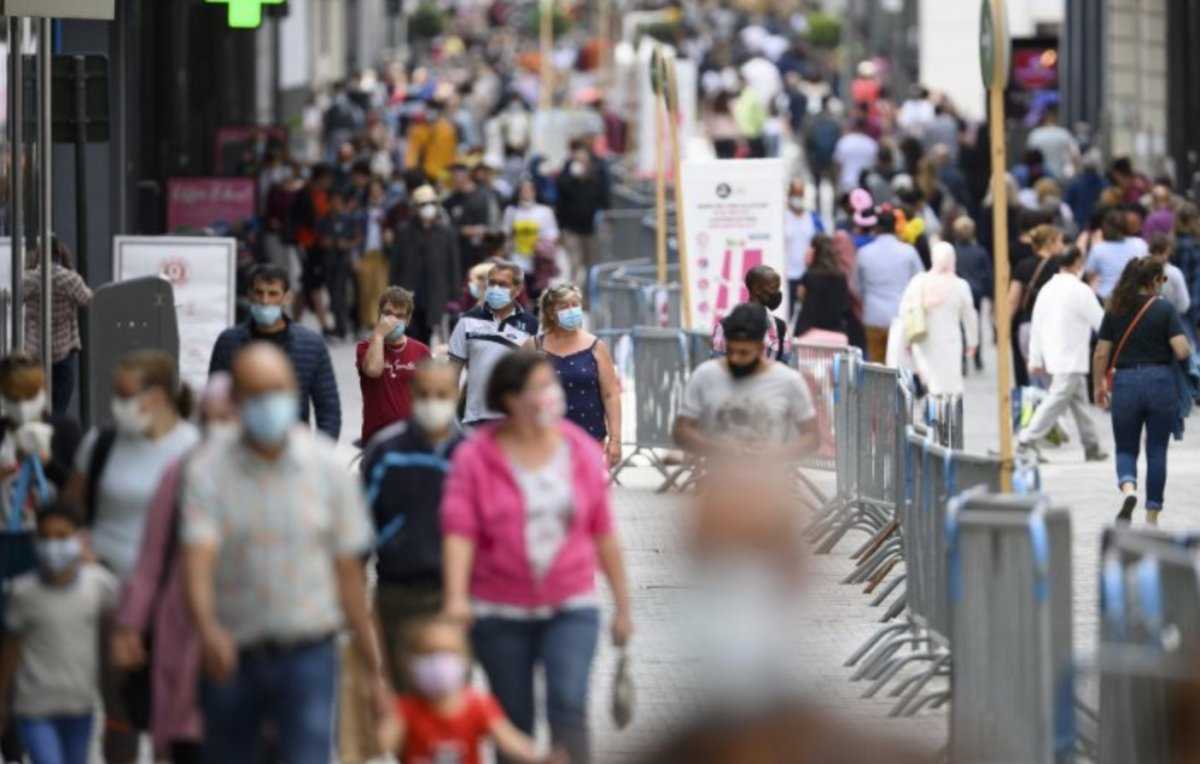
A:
{"x": 56, "y": 739}
{"x": 1067, "y": 391}
{"x": 508, "y": 649}
{"x": 1144, "y": 397}
{"x": 62, "y": 379}
{"x": 293, "y": 688}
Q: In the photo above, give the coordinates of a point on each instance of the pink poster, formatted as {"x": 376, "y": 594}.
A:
{"x": 203, "y": 202}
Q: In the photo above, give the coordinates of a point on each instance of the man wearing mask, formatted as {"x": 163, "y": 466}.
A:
{"x": 425, "y": 259}
{"x": 403, "y": 470}
{"x": 743, "y": 403}
{"x": 800, "y": 226}
{"x": 316, "y": 383}
{"x": 487, "y": 333}
{"x": 474, "y": 211}
{"x": 274, "y": 533}
{"x": 386, "y": 364}
{"x": 766, "y": 293}
{"x": 583, "y": 192}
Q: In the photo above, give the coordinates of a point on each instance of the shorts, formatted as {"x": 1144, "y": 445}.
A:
{"x": 315, "y": 271}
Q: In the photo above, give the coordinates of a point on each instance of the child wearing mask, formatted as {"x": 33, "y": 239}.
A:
{"x": 52, "y": 621}
{"x": 445, "y": 719}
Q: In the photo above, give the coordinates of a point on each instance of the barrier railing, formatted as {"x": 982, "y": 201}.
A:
{"x": 622, "y": 235}
{"x": 944, "y": 415}
{"x": 660, "y": 372}
{"x": 626, "y": 294}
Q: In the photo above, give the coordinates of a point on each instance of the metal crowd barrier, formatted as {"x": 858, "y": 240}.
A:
{"x": 1149, "y": 641}
{"x": 944, "y": 415}
{"x": 660, "y": 372}
{"x": 816, "y": 364}
{"x": 1011, "y": 624}
{"x": 626, "y": 294}
{"x": 621, "y": 235}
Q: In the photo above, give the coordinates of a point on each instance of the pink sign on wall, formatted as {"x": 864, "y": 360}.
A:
{"x": 204, "y": 202}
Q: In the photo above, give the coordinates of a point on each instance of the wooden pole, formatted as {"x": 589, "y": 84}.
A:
{"x": 604, "y": 22}
{"x": 546, "y": 53}
{"x": 671, "y": 88}
{"x": 660, "y": 189}
{"x": 1000, "y": 304}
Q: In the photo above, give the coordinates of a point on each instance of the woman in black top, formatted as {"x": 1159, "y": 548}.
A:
{"x": 1144, "y": 391}
{"x": 823, "y": 293}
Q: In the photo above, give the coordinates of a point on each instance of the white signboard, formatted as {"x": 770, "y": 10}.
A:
{"x": 734, "y": 217}
{"x": 202, "y": 270}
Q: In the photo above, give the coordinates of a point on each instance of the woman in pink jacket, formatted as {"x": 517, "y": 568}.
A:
{"x": 527, "y": 521}
{"x": 153, "y": 604}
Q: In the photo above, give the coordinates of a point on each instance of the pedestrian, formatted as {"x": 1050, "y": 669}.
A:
{"x": 487, "y": 333}
{"x": 527, "y": 521}
{"x": 583, "y": 193}
{"x": 432, "y": 141}
{"x": 820, "y": 143}
{"x": 274, "y": 533}
{"x": 310, "y": 208}
{"x": 27, "y": 429}
{"x": 584, "y": 366}
{"x": 1059, "y": 148}
{"x": 766, "y": 292}
{"x": 974, "y": 264}
{"x": 533, "y": 234}
{"x": 403, "y": 470}
{"x": 442, "y": 712}
{"x": 1064, "y": 317}
{"x": 1141, "y": 337}
{"x": 1029, "y": 276}
{"x": 1187, "y": 254}
{"x": 1107, "y": 259}
{"x": 386, "y": 364}
{"x": 316, "y": 382}
{"x": 885, "y": 266}
{"x": 1175, "y": 291}
{"x": 856, "y": 152}
{"x": 373, "y": 266}
{"x": 743, "y": 404}
{"x": 474, "y": 211}
{"x": 425, "y": 259}
{"x": 52, "y": 617}
{"x": 824, "y": 295}
{"x": 341, "y": 235}
{"x": 69, "y": 293}
{"x": 800, "y": 226}
{"x": 949, "y": 315}
{"x": 152, "y": 622}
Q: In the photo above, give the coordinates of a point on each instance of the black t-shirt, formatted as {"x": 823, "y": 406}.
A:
{"x": 1025, "y": 272}
{"x": 826, "y": 302}
{"x": 1150, "y": 340}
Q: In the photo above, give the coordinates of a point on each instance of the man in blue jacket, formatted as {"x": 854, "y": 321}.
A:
{"x": 404, "y": 468}
{"x": 310, "y": 358}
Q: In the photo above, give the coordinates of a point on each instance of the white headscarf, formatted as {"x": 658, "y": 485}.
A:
{"x": 941, "y": 279}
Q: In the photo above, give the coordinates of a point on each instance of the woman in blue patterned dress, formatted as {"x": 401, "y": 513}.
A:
{"x": 585, "y": 368}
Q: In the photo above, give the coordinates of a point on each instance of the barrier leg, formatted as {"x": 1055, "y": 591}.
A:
{"x": 887, "y": 590}
{"x": 915, "y": 689}
{"x": 894, "y": 669}
{"x": 870, "y": 643}
{"x": 881, "y": 572}
{"x": 868, "y": 565}
{"x": 867, "y": 549}
{"x": 897, "y": 607}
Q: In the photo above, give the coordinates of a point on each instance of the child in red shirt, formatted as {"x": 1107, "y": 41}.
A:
{"x": 446, "y": 721}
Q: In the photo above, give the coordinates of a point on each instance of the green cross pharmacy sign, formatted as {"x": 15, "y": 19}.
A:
{"x": 245, "y": 14}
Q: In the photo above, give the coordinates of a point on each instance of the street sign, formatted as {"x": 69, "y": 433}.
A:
{"x": 245, "y": 14}
{"x": 104, "y": 10}
{"x": 995, "y": 45}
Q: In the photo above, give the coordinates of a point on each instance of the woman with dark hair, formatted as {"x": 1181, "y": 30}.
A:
{"x": 526, "y": 521}
{"x": 722, "y": 129}
{"x": 69, "y": 293}
{"x": 1107, "y": 260}
{"x": 824, "y": 294}
{"x": 1187, "y": 253}
{"x": 1149, "y": 338}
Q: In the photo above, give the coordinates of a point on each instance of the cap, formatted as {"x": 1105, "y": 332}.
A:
{"x": 424, "y": 195}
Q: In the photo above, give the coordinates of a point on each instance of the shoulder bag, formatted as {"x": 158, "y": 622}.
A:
{"x": 915, "y": 327}
{"x": 1112, "y": 364}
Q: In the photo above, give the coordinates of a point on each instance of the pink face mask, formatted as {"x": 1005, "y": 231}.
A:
{"x": 439, "y": 674}
{"x": 548, "y": 405}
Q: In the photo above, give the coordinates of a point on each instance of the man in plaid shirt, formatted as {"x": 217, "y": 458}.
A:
{"x": 70, "y": 294}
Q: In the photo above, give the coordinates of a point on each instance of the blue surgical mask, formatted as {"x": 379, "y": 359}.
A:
{"x": 571, "y": 318}
{"x": 475, "y": 289}
{"x": 498, "y": 297}
{"x": 58, "y": 555}
{"x": 267, "y": 418}
{"x": 396, "y": 334}
{"x": 265, "y": 315}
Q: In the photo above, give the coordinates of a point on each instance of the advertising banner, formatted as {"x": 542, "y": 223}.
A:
{"x": 734, "y": 210}
{"x": 204, "y": 202}
{"x": 202, "y": 271}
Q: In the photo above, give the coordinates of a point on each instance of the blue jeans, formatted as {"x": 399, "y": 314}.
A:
{"x": 56, "y": 739}
{"x": 1144, "y": 398}
{"x": 292, "y": 688}
{"x": 508, "y": 649}
{"x": 62, "y": 375}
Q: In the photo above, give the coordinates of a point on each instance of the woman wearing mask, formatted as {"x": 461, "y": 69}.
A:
{"x": 117, "y": 471}
{"x": 153, "y": 603}
{"x": 948, "y": 308}
{"x": 1141, "y": 337}
{"x": 584, "y": 366}
{"x": 533, "y": 234}
{"x": 526, "y": 520}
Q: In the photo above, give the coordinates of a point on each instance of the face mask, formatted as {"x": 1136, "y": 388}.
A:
{"x": 25, "y": 411}
{"x": 741, "y": 372}
{"x": 267, "y": 418}
{"x": 428, "y": 212}
{"x": 58, "y": 555}
{"x": 397, "y": 334}
{"x": 570, "y": 318}
{"x": 550, "y": 406}
{"x": 526, "y": 204}
{"x": 475, "y": 289}
{"x": 797, "y": 202}
{"x": 128, "y": 416}
{"x": 774, "y": 301}
{"x": 437, "y": 675}
{"x": 578, "y": 170}
{"x": 498, "y": 297}
{"x": 433, "y": 415}
{"x": 265, "y": 315}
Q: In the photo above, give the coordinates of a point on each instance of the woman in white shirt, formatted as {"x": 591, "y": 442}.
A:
{"x": 532, "y": 230}
{"x": 946, "y": 301}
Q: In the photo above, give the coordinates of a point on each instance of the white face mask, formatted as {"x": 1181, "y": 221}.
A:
{"x": 25, "y": 411}
{"x": 434, "y": 415}
{"x": 428, "y": 212}
{"x": 796, "y": 202}
{"x": 129, "y": 417}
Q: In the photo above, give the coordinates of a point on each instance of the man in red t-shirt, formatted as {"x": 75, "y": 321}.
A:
{"x": 386, "y": 363}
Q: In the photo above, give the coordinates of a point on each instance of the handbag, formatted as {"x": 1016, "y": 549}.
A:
{"x": 1112, "y": 363}
{"x": 623, "y": 693}
{"x": 915, "y": 328}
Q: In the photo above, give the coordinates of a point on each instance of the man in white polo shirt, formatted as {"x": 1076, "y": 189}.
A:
{"x": 487, "y": 333}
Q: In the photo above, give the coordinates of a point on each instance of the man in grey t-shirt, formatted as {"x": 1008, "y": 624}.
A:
{"x": 744, "y": 403}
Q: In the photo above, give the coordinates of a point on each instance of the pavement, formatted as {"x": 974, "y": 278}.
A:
{"x": 837, "y": 617}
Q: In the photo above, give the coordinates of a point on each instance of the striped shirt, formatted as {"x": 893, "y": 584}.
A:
{"x": 70, "y": 294}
